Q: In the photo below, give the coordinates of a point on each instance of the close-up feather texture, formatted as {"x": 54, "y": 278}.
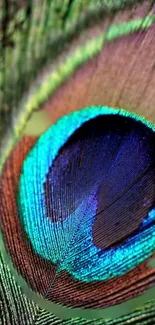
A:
{"x": 77, "y": 162}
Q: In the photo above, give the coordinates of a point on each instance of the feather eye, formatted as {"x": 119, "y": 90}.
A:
{"x": 81, "y": 213}
{"x": 77, "y": 202}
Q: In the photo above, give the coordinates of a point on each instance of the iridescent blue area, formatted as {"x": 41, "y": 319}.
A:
{"x": 149, "y": 219}
{"x": 70, "y": 243}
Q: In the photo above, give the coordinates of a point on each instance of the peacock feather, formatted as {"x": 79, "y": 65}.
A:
{"x": 77, "y": 162}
